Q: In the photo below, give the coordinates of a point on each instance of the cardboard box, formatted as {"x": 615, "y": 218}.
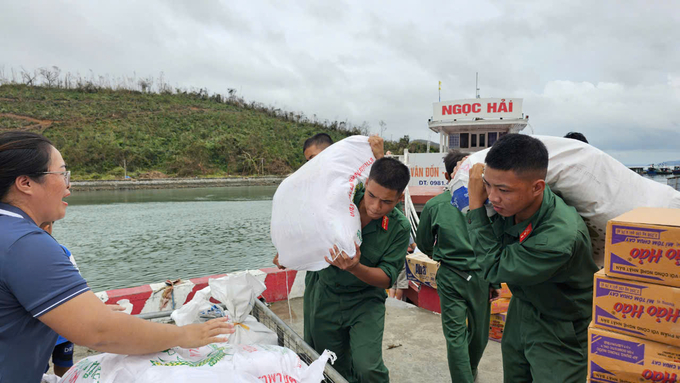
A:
{"x": 421, "y": 268}
{"x": 644, "y": 245}
{"x": 500, "y": 305}
{"x": 621, "y": 358}
{"x": 639, "y": 309}
{"x": 496, "y": 326}
{"x": 505, "y": 291}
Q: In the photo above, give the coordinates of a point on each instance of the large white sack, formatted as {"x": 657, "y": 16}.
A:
{"x": 590, "y": 180}
{"x": 314, "y": 209}
{"x": 217, "y": 362}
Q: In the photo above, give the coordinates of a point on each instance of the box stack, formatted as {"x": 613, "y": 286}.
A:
{"x": 635, "y": 333}
{"x": 499, "y": 310}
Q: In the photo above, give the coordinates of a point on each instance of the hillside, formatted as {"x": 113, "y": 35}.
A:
{"x": 182, "y": 134}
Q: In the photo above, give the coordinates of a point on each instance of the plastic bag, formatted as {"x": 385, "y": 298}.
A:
{"x": 238, "y": 292}
{"x": 598, "y": 186}
{"x": 314, "y": 208}
{"x": 217, "y": 362}
{"x": 189, "y": 313}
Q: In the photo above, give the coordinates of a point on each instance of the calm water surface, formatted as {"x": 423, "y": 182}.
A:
{"x": 127, "y": 238}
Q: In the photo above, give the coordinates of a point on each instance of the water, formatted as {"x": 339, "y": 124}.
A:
{"x": 128, "y": 238}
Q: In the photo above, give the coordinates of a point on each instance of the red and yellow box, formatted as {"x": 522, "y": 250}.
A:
{"x": 642, "y": 310}
{"x": 614, "y": 357}
{"x": 497, "y": 326}
{"x": 505, "y": 291}
{"x": 644, "y": 245}
{"x": 500, "y": 305}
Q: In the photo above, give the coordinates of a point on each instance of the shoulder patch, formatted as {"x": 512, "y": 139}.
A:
{"x": 525, "y": 233}
{"x": 385, "y": 223}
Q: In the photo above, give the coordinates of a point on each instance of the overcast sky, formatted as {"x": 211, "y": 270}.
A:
{"x": 609, "y": 69}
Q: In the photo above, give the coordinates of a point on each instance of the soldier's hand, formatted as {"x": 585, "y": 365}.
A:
{"x": 201, "y": 334}
{"x": 455, "y": 169}
{"x": 341, "y": 260}
{"x": 276, "y": 262}
{"x": 494, "y": 294}
{"x": 476, "y": 189}
{"x": 377, "y": 146}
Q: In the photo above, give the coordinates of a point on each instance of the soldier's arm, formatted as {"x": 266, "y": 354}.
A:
{"x": 425, "y": 236}
{"x": 531, "y": 262}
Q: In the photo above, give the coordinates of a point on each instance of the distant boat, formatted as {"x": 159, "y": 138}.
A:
{"x": 676, "y": 169}
{"x": 638, "y": 169}
{"x": 652, "y": 171}
{"x": 664, "y": 171}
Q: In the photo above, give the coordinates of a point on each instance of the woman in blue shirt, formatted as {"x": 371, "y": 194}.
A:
{"x": 41, "y": 292}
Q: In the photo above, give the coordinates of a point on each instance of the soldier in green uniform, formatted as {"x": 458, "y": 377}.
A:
{"x": 310, "y": 149}
{"x": 348, "y": 301}
{"x": 463, "y": 293}
{"x": 541, "y": 248}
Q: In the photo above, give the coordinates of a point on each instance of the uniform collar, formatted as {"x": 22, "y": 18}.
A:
{"x": 524, "y": 229}
{"x": 13, "y": 211}
{"x": 382, "y": 223}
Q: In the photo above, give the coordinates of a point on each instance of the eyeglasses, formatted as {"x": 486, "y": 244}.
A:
{"x": 66, "y": 174}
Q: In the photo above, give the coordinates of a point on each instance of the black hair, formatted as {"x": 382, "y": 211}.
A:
{"x": 319, "y": 139}
{"x": 520, "y": 153}
{"x": 390, "y": 173}
{"x": 576, "y": 136}
{"x": 452, "y": 158}
{"x": 22, "y": 154}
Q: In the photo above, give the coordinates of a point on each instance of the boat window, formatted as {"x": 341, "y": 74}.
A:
{"x": 454, "y": 140}
{"x": 482, "y": 140}
{"x": 473, "y": 140}
{"x": 493, "y": 136}
{"x": 464, "y": 140}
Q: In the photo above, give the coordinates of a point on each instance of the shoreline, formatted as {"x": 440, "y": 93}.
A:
{"x": 174, "y": 183}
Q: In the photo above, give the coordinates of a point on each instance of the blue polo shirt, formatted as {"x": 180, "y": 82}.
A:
{"x": 35, "y": 277}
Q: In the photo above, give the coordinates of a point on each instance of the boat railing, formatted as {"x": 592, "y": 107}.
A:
{"x": 411, "y": 212}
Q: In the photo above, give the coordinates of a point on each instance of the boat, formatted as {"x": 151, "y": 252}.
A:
{"x": 468, "y": 125}
{"x": 638, "y": 169}
{"x": 280, "y": 309}
{"x": 676, "y": 169}
{"x": 652, "y": 171}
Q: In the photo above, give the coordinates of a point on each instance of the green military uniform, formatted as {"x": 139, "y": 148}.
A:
{"x": 442, "y": 234}
{"x": 547, "y": 263}
{"x": 347, "y": 315}
{"x": 311, "y": 277}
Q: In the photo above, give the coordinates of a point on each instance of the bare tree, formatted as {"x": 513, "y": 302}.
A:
{"x": 28, "y": 77}
{"x": 383, "y": 127}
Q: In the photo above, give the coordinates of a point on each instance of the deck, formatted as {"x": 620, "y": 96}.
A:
{"x": 420, "y": 352}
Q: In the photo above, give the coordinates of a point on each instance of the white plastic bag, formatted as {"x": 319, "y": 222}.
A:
{"x": 593, "y": 182}
{"x": 217, "y": 362}
{"x": 314, "y": 208}
{"x": 188, "y": 313}
{"x": 238, "y": 292}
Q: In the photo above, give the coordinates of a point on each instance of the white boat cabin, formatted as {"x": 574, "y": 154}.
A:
{"x": 475, "y": 124}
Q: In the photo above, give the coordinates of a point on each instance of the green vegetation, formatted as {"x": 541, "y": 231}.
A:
{"x": 103, "y": 130}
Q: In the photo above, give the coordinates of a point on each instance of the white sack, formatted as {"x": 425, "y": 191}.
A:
{"x": 188, "y": 313}
{"x": 593, "y": 182}
{"x": 314, "y": 209}
{"x": 239, "y": 292}
{"x": 217, "y": 362}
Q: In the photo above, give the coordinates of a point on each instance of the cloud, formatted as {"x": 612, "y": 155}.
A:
{"x": 608, "y": 68}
